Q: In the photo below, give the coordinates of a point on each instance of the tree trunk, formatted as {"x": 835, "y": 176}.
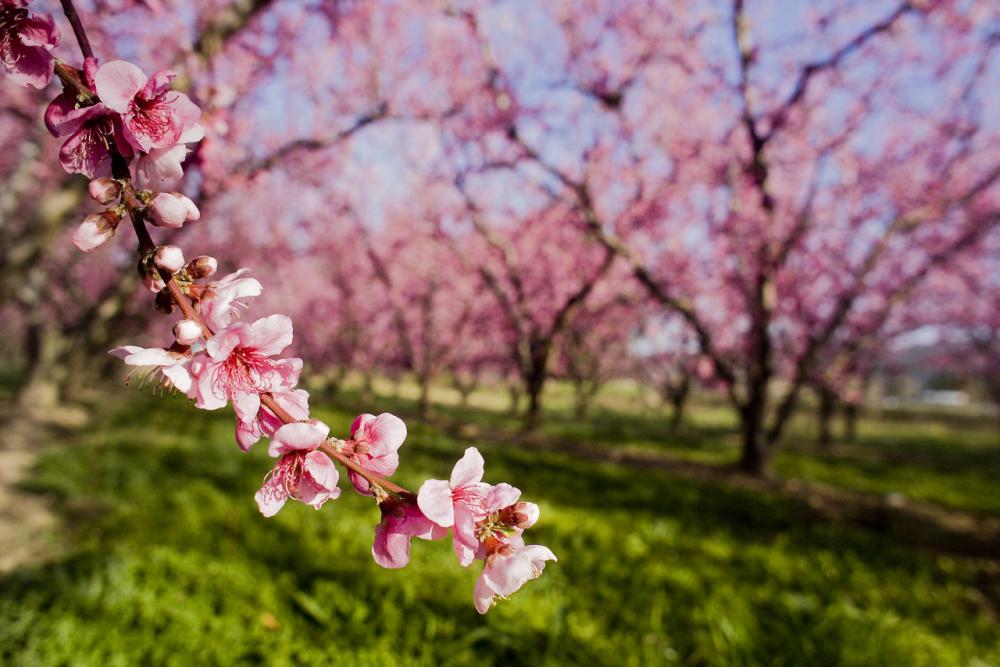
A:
{"x": 756, "y": 455}
{"x": 44, "y": 375}
{"x": 582, "y": 395}
{"x": 367, "y": 386}
{"x": 514, "y": 392}
{"x": 424, "y": 401}
{"x": 851, "y": 422}
{"x": 533, "y": 415}
{"x": 678, "y": 399}
{"x": 827, "y": 407}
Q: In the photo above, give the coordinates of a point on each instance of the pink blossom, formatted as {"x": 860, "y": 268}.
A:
{"x": 293, "y": 401}
{"x": 503, "y": 509}
{"x": 302, "y": 473}
{"x": 95, "y": 230}
{"x": 237, "y": 365}
{"x": 172, "y": 210}
{"x": 25, "y": 42}
{"x": 58, "y": 112}
{"x": 459, "y": 502}
{"x": 374, "y": 445}
{"x": 153, "y": 115}
{"x": 92, "y": 131}
{"x": 508, "y": 569}
{"x": 170, "y": 364}
{"x": 161, "y": 168}
{"x": 400, "y": 522}
{"x": 221, "y": 300}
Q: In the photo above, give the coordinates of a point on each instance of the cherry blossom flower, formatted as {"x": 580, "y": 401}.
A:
{"x": 400, "y": 522}
{"x": 302, "y": 473}
{"x": 153, "y": 115}
{"x": 237, "y": 365}
{"x": 459, "y": 503}
{"x": 293, "y": 401}
{"x": 59, "y": 109}
{"x": 92, "y": 132}
{"x": 25, "y": 42}
{"x": 507, "y": 569}
{"x": 161, "y": 168}
{"x": 374, "y": 445}
{"x": 504, "y": 514}
{"x": 170, "y": 364}
{"x": 221, "y": 301}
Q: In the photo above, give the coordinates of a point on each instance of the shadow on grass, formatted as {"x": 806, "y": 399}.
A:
{"x": 172, "y": 564}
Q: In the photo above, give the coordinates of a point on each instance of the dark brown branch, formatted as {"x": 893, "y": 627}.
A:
{"x": 81, "y": 35}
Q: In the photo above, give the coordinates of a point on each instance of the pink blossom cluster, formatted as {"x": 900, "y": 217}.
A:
{"x": 123, "y": 129}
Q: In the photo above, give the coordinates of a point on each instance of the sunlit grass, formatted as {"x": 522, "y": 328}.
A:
{"x": 170, "y": 563}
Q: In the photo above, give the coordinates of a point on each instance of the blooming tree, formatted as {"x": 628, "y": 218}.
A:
{"x": 130, "y": 133}
{"x": 765, "y": 203}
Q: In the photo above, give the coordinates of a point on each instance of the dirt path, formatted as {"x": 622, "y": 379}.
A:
{"x": 28, "y": 527}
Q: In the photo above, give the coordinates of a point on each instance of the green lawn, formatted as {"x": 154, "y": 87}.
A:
{"x": 166, "y": 561}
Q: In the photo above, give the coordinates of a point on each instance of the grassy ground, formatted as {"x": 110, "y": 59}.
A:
{"x": 165, "y": 560}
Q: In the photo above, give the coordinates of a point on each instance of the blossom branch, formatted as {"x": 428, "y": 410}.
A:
{"x": 128, "y": 133}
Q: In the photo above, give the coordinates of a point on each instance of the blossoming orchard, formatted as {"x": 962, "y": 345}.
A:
{"x": 710, "y": 280}
{"x": 127, "y": 131}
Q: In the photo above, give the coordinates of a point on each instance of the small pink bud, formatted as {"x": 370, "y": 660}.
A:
{"x": 168, "y": 211}
{"x": 191, "y": 211}
{"x": 169, "y": 258}
{"x": 202, "y": 267}
{"x": 104, "y": 190}
{"x": 94, "y": 231}
{"x": 187, "y": 332}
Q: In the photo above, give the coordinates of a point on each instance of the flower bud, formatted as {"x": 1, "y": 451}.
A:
{"x": 95, "y": 230}
{"x": 187, "y": 332}
{"x": 104, "y": 190}
{"x": 167, "y": 211}
{"x": 191, "y": 211}
{"x": 153, "y": 283}
{"x": 202, "y": 267}
{"x": 169, "y": 258}
{"x": 520, "y": 515}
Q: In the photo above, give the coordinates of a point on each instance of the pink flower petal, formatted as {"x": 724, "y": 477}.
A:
{"x": 178, "y": 376}
{"x": 502, "y": 495}
{"x": 39, "y": 30}
{"x": 434, "y": 500}
{"x": 468, "y": 470}
{"x": 464, "y": 538}
{"x": 270, "y": 335}
{"x": 298, "y": 436}
{"x": 386, "y": 434}
{"x": 319, "y": 480}
{"x": 246, "y": 404}
{"x": 390, "y": 549}
{"x": 117, "y": 83}
{"x": 272, "y": 496}
{"x": 482, "y": 595}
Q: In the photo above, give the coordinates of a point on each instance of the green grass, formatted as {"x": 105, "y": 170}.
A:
{"x": 168, "y": 562}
